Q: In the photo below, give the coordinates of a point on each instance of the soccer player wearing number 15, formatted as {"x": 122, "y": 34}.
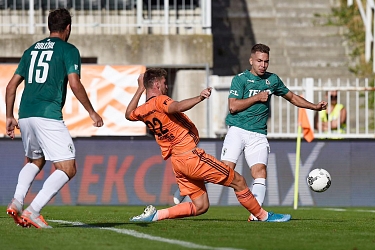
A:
{"x": 46, "y": 67}
{"x": 178, "y": 137}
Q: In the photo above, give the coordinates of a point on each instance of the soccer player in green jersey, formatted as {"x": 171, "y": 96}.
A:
{"x": 249, "y": 107}
{"x": 46, "y": 67}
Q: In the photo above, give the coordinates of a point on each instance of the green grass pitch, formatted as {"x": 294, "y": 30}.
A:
{"x": 108, "y": 227}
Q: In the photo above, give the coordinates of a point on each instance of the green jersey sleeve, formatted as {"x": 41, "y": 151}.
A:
{"x": 22, "y": 66}
{"x": 279, "y": 88}
{"x": 72, "y": 61}
{"x": 237, "y": 88}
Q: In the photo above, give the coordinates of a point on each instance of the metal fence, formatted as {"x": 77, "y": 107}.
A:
{"x": 109, "y": 16}
{"x": 356, "y": 95}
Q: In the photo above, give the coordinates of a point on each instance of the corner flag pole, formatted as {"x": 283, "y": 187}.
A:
{"x": 296, "y": 172}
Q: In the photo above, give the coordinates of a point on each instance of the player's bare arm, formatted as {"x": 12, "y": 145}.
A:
{"x": 10, "y": 96}
{"x": 80, "y": 92}
{"x": 134, "y": 101}
{"x": 187, "y": 104}
{"x": 237, "y": 105}
{"x": 303, "y": 103}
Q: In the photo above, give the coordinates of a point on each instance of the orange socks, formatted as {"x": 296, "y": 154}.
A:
{"x": 247, "y": 199}
{"x": 181, "y": 210}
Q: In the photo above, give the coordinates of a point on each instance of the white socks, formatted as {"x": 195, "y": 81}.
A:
{"x": 25, "y": 178}
{"x": 259, "y": 190}
{"x": 50, "y": 188}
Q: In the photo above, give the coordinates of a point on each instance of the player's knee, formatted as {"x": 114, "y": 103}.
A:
{"x": 259, "y": 171}
{"x": 40, "y": 162}
{"x": 202, "y": 209}
{"x": 69, "y": 167}
{"x": 72, "y": 173}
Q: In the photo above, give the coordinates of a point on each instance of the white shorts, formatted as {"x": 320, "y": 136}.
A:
{"x": 47, "y": 138}
{"x": 254, "y": 145}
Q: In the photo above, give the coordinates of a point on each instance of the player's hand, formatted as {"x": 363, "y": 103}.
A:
{"x": 141, "y": 86}
{"x": 321, "y": 106}
{"x": 98, "y": 121}
{"x": 262, "y": 96}
{"x": 11, "y": 124}
{"x": 206, "y": 93}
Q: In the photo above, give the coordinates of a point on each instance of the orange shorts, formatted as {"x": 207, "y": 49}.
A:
{"x": 193, "y": 169}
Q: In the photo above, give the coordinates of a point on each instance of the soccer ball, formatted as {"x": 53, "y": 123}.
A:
{"x": 319, "y": 180}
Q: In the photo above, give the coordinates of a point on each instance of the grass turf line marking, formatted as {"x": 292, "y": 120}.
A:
{"x": 342, "y": 210}
{"x": 145, "y": 236}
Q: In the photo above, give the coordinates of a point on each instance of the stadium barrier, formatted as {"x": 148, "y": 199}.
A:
{"x": 131, "y": 171}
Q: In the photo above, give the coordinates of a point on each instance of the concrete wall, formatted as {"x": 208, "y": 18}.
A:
{"x": 126, "y": 49}
{"x": 190, "y": 83}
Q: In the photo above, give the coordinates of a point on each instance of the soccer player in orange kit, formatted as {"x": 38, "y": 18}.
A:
{"x": 178, "y": 138}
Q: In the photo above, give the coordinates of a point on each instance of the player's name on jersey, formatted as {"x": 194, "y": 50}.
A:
{"x": 46, "y": 45}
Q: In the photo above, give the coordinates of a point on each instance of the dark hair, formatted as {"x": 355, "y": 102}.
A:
{"x": 58, "y": 20}
{"x": 153, "y": 74}
{"x": 260, "y": 48}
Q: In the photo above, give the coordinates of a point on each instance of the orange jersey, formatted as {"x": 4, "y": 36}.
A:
{"x": 175, "y": 133}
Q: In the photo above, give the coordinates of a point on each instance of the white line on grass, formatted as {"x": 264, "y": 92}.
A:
{"x": 145, "y": 236}
{"x": 342, "y": 209}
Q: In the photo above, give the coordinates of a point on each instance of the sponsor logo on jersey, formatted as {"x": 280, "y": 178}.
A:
{"x": 253, "y": 92}
{"x": 250, "y": 81}
{"x": 233, "y": 92}
{"x": 47, "y": 45}
{"x": 267, "y": 82}
{"x": 75, "y": 67}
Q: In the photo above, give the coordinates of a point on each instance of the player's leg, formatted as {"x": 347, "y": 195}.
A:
{"x": 214, "y": 171}
{"x": 256, "y": 153}
{"x": 57, "y": 147}
{"x": 222, "y": 174}
{"x": 247, "y": 199}
{"x": 259, "y": 174}
{"x": 194, "y": 187}
{"x": 25, "y": 179}
{"x": 230, "y": 153}
{"x": 35, "y": 163}
{"x": 177, "y": 197}
{"x": 217, "y": 172}
{"x": 198, "y": 205}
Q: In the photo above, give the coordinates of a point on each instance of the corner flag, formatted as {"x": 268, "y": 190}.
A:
{"x": 303, "y": 121}
{"x": 308, "y": 134}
